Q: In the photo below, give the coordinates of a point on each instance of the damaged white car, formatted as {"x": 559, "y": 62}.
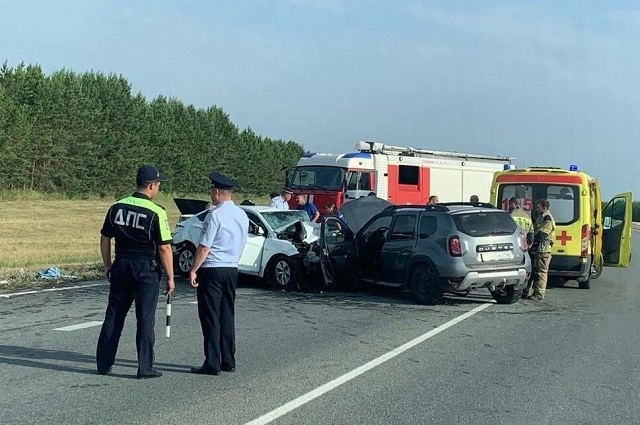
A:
{"x": 281, "y": 245}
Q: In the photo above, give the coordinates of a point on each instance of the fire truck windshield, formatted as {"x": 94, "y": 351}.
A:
{"x": 317, "y": 177}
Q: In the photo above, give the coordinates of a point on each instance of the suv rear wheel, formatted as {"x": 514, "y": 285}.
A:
{"x": 425, "y": 285}
{"x": 507, "y": 295}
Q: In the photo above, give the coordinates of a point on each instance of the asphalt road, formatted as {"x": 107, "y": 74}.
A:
{"x": 569, "y": 359}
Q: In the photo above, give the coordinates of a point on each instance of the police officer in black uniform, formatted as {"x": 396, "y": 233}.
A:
{"x": 215, "y": 275}
{"x": 141, "y": 230}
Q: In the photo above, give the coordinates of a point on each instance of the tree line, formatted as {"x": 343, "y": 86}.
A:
{"x": 86, "y": 133}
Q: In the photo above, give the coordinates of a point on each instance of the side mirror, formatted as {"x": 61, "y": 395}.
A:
{"x": 260, "y": 231}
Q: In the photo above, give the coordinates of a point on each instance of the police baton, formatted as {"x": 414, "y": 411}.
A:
{"x": 168, "y": 328}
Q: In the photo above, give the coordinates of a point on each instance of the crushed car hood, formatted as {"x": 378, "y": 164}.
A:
{"x": 190, "y": 206}
{"x": 356, "y": 213}
{"x": 312, "y": 231}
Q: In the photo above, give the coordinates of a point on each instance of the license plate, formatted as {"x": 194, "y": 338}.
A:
{"x": 496, "y": 256}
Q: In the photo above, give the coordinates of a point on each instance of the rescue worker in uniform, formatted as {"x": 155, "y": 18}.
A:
{"x": 281, "y": 201}
{"x": 215, "y": 275}
{"x": 525, "y": 224}
{"x": 544, "y": 235}
{"x": 142, "y": 234}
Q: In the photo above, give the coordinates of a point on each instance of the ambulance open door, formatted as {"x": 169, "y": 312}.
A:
{"x": 616, "y": 234}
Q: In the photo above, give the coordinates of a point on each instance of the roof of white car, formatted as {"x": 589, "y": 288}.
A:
{"x": 262, "y": 208}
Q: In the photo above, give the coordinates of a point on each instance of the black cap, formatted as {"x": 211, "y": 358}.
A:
{"x": 149, "y": 173}
{"x": 220, "y": 181}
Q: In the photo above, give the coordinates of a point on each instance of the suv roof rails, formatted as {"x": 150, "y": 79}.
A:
{"x": 469, "y": 204}
{"x": 429, "y": 207}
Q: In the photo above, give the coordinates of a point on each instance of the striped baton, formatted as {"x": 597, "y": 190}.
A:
{"x": 168, "y": 329}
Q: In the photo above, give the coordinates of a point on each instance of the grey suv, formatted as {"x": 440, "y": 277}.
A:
{"x": 433, "y": 249}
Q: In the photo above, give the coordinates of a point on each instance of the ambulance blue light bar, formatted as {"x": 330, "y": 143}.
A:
{"x": 573, "y": 167}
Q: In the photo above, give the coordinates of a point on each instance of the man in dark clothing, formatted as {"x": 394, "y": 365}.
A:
{"x": 142, "y": 234}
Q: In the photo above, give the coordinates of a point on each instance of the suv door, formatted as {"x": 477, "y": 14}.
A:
{"x": 616, "y": 231}
{"x": 398, "y": 248}
{"x": 369, "y": 244}
{"x": 336, "y": 251}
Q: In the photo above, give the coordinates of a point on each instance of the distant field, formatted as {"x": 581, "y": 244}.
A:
{"x": 36, "y": 232}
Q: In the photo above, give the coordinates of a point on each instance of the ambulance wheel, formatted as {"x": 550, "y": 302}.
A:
{"x": 184, "y": 259}
{"x": 425, "y": 285}
{"x": 596, "y": 268}
{"x": 283, "y": 271}
{"x": 585, "y": 284}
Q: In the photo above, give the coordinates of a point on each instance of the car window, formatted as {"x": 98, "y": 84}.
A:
{"x": 380, "y": 222}
{"x": 280, "y": 219}
{"x": 428, "y": 226}
{"x": 487, "y": 223}
{"x": 404, "y": 227}
{"x": 255, "y": 221}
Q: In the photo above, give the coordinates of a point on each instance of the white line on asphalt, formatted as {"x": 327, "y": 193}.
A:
{"x": 311, "y": 395}
{"x": 193, "y": 302}
{"x": 15, "y": 294}
{"x": 79, "y": 326}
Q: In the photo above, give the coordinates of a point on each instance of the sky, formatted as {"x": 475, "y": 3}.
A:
{"x": 548, "y": 82}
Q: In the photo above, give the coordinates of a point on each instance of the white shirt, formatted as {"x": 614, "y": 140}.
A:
{"x": 279, "y": 203}
{"x": 224, "y": 232}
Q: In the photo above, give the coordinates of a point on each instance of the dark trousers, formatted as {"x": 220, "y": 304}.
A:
{"x": 130, "y": 280}
{"x": 216, "y": 299}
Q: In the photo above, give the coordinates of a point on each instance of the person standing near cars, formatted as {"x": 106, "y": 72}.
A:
{"x": 215, "y": 275}
{"x": 141, "y": 231}
{"x": 433, "y": 200}
{"x": 310, "y": 209}
{"x": 281, "y": 201}
{"x": 544, "y": 235}
{"x": 525, "y": 224}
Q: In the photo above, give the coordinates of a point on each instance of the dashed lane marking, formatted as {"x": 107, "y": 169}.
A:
{"x": 79, "y": 326}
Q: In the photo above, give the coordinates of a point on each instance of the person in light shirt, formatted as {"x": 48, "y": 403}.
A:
{"x": 281, "y": 201}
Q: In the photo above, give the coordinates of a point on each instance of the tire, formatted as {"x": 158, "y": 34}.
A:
{"x": 586, "y": 284}
{"x": 283, "y": 271}
{"x": 425, "y": 285}
{"x": 184, "y": 259}
{"x": 508, "y": 295}
{"x": 596, "y": 269}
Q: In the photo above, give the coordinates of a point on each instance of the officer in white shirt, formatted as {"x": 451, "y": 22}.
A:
{"x": 281, "y": 201}
{"x": 215, "y": 275}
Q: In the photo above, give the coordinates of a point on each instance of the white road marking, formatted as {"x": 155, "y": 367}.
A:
{"x": 16, "y": 294}
{"x": 311, "y": 395}
{"x": 79, "y": 326}
{"x": 193, "y": 302}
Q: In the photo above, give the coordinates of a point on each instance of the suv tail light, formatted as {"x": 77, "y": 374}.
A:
{"x": 455, "y": 248}
{"x": 586, "y": 237}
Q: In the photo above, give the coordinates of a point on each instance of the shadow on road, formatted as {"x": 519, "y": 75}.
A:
{"x": 37, "y": 358}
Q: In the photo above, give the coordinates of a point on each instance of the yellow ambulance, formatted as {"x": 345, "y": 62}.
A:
{"x": 588, "y": 235}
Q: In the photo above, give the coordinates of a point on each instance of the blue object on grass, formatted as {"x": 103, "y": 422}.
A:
{"x": 50, "y": 273}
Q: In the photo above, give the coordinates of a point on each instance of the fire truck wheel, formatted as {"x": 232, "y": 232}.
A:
{"x": 425, "y": 285}
{"x": 283, "y": 271}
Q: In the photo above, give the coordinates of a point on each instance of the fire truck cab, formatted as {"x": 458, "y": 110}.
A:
{"x": 401, "y": 175}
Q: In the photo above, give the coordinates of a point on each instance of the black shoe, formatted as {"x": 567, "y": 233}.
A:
{"x": 204, "y": 371}
{"x": 104, "y": 372}
{"x": 227, "y": 369}
{"x": 154, "y": 374}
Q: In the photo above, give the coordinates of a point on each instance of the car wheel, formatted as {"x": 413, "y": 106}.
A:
{"x": 184, "y": 259}
{"x": 425, "y": 285}
{"x": 283, "y": 272}
{"x": 507, "y": 295}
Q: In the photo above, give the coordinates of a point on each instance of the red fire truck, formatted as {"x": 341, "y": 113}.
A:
{"x": 401, "y": 175}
